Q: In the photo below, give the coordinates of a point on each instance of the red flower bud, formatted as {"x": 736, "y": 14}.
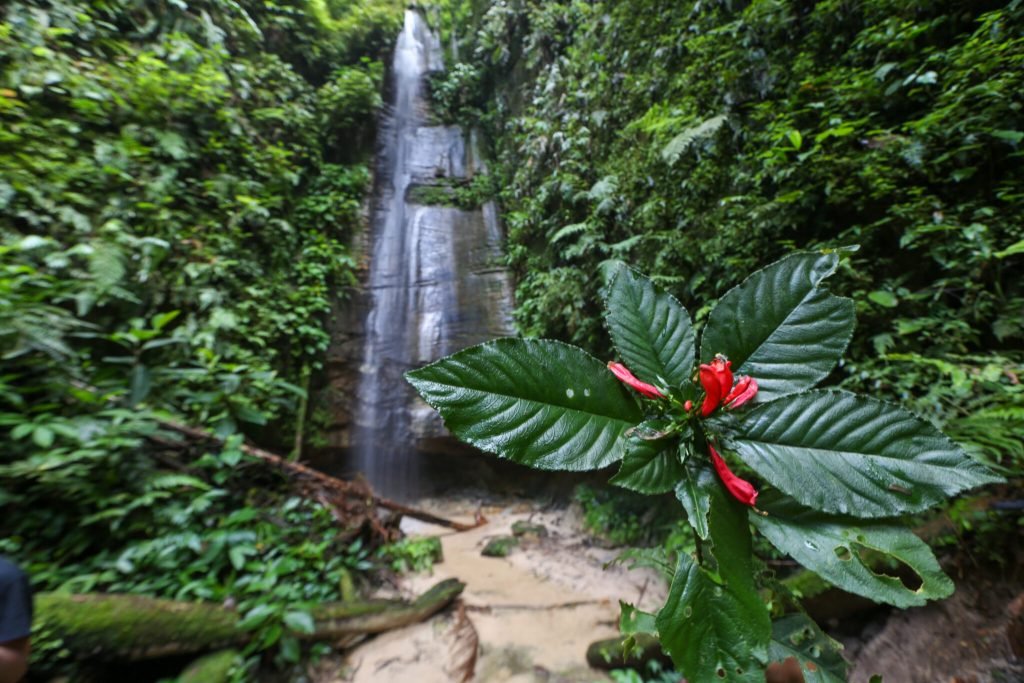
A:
{"x": 627, "y": 377}
{"x": 745, "y": 389}
{"x": 741, "y": 490}
{"x": 688, "y": 406}
{"x": 716, "y": 378}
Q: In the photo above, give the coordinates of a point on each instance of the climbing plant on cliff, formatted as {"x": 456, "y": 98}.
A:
{"x": 823, "y": 474}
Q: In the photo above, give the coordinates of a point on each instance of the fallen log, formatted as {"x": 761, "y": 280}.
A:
{"x": 119, "y": 627}
{"x": 348, "y": 489}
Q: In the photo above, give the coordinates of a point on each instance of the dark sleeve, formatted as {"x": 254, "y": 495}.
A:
{"x": 15, "y": 603}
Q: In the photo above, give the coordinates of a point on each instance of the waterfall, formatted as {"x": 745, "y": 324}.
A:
{"x": 433, "y": 285}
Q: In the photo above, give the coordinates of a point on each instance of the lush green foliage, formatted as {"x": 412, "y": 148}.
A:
{"x": 835, "y": 462}
{"x": 700, "y": 140}
{"x": 413, "y": 554}
{"x": 177, "y": 186}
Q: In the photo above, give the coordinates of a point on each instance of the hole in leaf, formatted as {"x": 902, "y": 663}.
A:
{"x": 739, "y": 671}
{"x": 687, "y": 612}
{"x": 801, "y": 635}
{"x": 720, "y": 673}
{"x": 843, "y": 553}
{"x": 890, "y": 567}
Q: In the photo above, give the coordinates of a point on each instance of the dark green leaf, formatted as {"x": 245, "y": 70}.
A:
{"x": 883, "y": 298}
{"x": 711, "y": 633}
{"x": 715, "y": 621}
{"x": 140, "y": 384}
{"x": 795, "y": 635}
{"x": 161, "y": 320}
{"x": 780, "y": 327}
{"x": 730, "y": 550}
{"x": 831, "y": 547}
{"x": 540, "y": 403}
{"x": 248, "y": 413}
{"x": 300, "y": 622}
{"x": 43, "y": 437}
{"x": 694, "y": 492}
{"x": 257, "y": 616}
{"x": 650, "y": 329}
{"x": 650, "y": 465}
{"x": 837, "y": 452}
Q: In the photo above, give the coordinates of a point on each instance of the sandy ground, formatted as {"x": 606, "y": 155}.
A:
{"x": 525, "y": 618}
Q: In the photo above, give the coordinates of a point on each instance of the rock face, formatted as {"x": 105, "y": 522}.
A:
{"x": 433, "y": 285}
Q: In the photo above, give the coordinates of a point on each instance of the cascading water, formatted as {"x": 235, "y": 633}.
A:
{"x": 433, "y": 286}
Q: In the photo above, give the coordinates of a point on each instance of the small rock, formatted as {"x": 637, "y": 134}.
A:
{"x": 500, "y": 546}
{"x": 524, "y": 528}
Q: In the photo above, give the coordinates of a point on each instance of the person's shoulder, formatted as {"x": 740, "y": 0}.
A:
{"x": 10, "y": 572}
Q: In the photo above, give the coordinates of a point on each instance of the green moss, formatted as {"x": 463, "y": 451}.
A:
{"x": 111, "y": 626}
{"x": 460, "y": 193}
{"x": 524, "y": 528}
{"x": 500, "y": 546}
{"x": 213, "y": 668}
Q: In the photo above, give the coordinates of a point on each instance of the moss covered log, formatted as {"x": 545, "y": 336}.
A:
{"x": 132, "y": 627}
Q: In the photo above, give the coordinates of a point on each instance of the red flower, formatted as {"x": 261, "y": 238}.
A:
{"x": 745, "y": 389}
{"x": 627, "y": 377}
{"x": 716, "y": 378}
{"x": 741, "y": 490}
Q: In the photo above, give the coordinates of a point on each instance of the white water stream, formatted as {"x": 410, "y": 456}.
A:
{"x": 433, "y": 285}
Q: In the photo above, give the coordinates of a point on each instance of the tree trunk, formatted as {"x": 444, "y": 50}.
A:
{"x": 133, "y": 627}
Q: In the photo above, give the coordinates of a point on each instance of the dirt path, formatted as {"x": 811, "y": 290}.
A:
{"x": 525, "y": 618}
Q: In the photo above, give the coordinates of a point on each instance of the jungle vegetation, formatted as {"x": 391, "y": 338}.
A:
{"x": 179, "y": 182}
{"x": 699, "y": 141}
{"x": 180, "y": 179}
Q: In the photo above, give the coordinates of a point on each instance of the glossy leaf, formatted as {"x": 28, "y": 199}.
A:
{"x": 694, "y": 493}
{"x": 795, "y": 635}
{"x": 837, "y": 452}
{"x": 710, "y": 632}
{"x": 650, "y": 328}
{"x": 650, "y": 466}
{"x": 730, "y": 549}
{"x": 831, "y": 547}
{"x": 714, "y": 620}
{"x": 540, "y": 403}
{"x": 780, "y": 327}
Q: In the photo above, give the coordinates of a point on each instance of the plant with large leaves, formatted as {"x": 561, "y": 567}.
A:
{"x": 837, "y": 469}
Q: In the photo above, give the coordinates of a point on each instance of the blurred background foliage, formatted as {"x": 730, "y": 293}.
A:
{"x": 178, "y": 184}
{"x": 699, "y": 141}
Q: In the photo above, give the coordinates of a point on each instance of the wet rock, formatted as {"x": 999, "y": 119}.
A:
{"x": 500, "y": 546}
{"x": 528, "y": 531}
